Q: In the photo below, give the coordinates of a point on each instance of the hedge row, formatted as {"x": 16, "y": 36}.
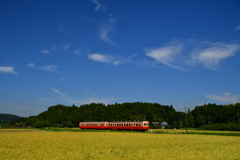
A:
{"x": 221, "y": 127}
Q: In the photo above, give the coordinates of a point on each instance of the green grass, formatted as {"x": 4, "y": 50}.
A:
{"x": 156, "y": 131}
{"x": 200, "y": 133}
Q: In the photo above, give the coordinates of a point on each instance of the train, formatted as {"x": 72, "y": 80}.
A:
{"x": 120, "y": 125}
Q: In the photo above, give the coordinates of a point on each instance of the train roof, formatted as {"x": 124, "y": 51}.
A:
{"x": 110, "y": 121}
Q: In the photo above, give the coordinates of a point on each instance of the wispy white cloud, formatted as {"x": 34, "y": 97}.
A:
{"x": 7, "y": 69}
{"x": 61, "y": 47}
{"x": 100, "y": 58}
{"x": 167, "y": 55}
{"x": 226, "y": 97}
{"x": 66, "y": 46}
{"x": 50, "y": 68}
{"x": 98, "y": 4}
{"x": 31, "y": 65}
{"x": 122, "y": 60}
{"x": 192, "y": 52}
{"x": 45, "y": 51}
{"x": 107, "y": 31}
{"x": 211, "y": 56}
{"x": 77, "y": 51}
{"x": 237, "y": 28}
{"x": 115, "y": 60}
{"x": 57, "y": 91}
{"x": 107, "y": 27}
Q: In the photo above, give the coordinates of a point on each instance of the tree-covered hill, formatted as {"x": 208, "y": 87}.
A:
{"x": 70, "y": 116}
{"x": 220, "y": 114}
{"x": 8, "y": 117}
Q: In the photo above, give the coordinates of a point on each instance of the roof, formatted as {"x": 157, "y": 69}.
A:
{"x": 164, "y": 124}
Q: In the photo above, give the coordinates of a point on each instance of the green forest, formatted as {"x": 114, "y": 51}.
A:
{"x": 69, "y": 116}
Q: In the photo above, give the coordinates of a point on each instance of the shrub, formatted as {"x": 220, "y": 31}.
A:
{"x": 221, "y": 127}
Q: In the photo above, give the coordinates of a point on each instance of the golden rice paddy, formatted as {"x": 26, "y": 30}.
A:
{"x": 35, "y": 144}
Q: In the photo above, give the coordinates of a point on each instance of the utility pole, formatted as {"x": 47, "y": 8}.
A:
{"x": 186, "y": 120}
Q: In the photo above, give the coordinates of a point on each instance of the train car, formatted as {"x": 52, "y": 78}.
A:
{"x": 92, "y": 125}
{"x": 127, "y": 125}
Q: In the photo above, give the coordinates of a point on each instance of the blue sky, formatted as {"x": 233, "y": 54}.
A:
{"x": 180, "y": 53}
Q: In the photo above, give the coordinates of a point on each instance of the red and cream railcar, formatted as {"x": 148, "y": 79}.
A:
{"x": 140, "y": 125}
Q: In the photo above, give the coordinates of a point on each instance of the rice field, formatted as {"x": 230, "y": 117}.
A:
{"x": 35, "y": 144}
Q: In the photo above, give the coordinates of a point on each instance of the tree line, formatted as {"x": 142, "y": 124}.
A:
{"x": 69, "y": 116}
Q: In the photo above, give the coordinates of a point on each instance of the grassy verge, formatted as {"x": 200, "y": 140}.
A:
{"x": 82, "y": 130}
{"x": 156, "y": 131}
{"x": 219, "y": 133}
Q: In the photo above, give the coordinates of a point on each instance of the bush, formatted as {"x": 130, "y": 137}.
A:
{"x": 221, "y": 127}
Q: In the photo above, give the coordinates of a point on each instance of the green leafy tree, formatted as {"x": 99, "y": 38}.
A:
{"x": 190, "y": 118}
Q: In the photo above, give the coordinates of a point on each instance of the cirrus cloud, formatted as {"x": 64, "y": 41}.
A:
{"x": 211, "y": 56}
{"x": 226, "y": 97}
{"x": 100, "y": 58}
{"x": 57, "y": 91}
{"x": 166, "y": 55}
{"x": 50, "y": 68}
{"x": 45, "y": 51}
{"x": 115, "y": 60}
{"x": 237, "y": 28}
{"x": 31, "y": 65}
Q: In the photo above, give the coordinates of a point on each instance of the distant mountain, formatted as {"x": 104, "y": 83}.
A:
{"x": 8, "y": 117}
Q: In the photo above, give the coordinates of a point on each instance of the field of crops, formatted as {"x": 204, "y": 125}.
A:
{"x": 35, "y": 144}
